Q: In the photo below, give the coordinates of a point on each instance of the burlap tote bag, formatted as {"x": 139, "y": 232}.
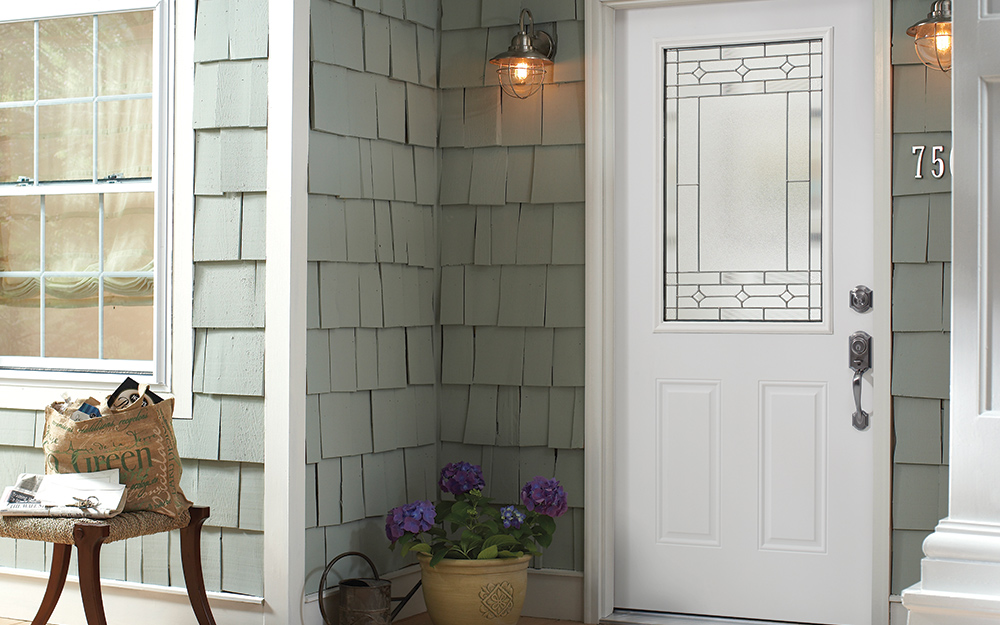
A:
{"x": 138, "y": 440}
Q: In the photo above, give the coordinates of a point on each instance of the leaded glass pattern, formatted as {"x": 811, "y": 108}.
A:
{"x": 743, "y": 227}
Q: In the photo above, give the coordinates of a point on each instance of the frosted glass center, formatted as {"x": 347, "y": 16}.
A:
{"x": 743, "y": 183}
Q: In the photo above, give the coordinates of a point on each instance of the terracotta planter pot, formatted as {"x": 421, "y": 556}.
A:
{"x": 474, "y": 592}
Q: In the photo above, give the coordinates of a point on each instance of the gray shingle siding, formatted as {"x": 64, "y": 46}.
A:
{"x": 371, "y": 347}
{"x": 921, "y": 254}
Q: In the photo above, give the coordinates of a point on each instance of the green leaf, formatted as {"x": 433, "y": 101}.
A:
{"x": 545, "y": 540}
{"x": 461, "y": 508}
{"x": 443, "y": 509}
{"x": 470, "y": 541}
{"x": 547, "y": 523}
{"x": 498, "y": 541}
{"x": 421, "y": 548}
{"x": 437, "y": 557}
{"x": 488, "y": 553}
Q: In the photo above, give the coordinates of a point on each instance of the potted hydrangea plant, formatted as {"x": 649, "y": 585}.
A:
{"x": 474, "y": 554}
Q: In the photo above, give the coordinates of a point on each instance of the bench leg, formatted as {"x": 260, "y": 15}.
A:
{"x": 57, "y": 579}
{"x": 191, "y": 559}
{"x": 88, "y": 552}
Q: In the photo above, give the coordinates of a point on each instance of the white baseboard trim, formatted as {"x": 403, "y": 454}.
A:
{"x": 21, "y": 593}
{"x": 551, "y": 594}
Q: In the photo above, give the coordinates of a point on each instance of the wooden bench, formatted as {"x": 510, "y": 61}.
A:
{"x": 87, "y": 535}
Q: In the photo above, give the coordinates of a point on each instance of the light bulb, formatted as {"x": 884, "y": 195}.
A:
{"x": 943, "y": 42}
{"x": 521, "y": 71}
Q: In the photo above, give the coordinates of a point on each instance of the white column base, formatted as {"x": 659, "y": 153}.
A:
{"x": 960, "y": 577}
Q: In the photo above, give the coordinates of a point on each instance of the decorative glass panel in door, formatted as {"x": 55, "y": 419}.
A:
{"x": 743, "y": 199}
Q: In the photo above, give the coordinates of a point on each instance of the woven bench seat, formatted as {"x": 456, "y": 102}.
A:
{"x": 87, "y": 535}
{"x": 57, "y": 530}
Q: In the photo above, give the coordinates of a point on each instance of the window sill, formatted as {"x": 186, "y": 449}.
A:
{"x": 37, "y": 394}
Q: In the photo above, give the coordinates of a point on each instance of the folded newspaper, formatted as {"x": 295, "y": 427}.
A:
{"x": 96, "y": 495}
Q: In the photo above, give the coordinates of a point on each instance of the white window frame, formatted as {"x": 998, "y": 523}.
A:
{"x": 172, "y": 110}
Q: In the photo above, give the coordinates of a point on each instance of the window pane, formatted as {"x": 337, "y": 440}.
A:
{"x": 128, "y": 329}
{"x": 125, "y": 139}
{"x": 20, "y": 234}
{"x": 742, "y": 178}
{"x": 17, "y": 63}
{"x": 21, "y": 323}
{"x": 70, "y": 331}
{"x": 66, "y": 57}
{"x": 17, "y": 144}
{"x": 125, "y": 53}
{"x": 86, "y": 261}
{"x": 128, "y": 232}
{"x": 65, "y": 142}
{"x": 71, "y": 233}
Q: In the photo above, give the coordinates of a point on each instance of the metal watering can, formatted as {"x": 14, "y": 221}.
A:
{"x": 363, "y": 601}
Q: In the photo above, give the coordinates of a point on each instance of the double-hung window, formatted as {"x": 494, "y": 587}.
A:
{"x": 83, "y": 191}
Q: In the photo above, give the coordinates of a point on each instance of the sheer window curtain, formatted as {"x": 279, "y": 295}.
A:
{"x": 94, "y": 124}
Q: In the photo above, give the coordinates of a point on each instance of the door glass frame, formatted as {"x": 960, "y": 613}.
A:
{"x": 825, "y": 326}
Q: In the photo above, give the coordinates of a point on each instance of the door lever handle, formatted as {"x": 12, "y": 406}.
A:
{"x": 860, "y": 417}
{"x": 860, "y": 350}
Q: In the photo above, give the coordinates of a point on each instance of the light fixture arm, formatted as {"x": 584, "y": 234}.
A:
{"x": 539, "y": 40}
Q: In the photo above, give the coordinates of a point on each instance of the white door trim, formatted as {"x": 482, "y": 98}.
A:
{"x": 600, "y": 462}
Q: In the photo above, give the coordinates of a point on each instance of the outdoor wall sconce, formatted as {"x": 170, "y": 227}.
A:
{"x": 522, "y": 67}
{"x": 932, "y": 36}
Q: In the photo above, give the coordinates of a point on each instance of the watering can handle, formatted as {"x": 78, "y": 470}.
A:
{"x": 326, "y": 571}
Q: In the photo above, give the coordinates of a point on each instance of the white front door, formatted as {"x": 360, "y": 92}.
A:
{"x": 744, "y": 214}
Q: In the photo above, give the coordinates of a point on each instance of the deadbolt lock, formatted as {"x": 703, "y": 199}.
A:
{"x": 861, "y": 298}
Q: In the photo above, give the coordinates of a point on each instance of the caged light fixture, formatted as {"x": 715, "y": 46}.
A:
{"x": 932, "y": 36}
{"x": 522, "y": 67}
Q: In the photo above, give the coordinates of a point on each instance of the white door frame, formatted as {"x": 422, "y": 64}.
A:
{"x": 600, "y": 461}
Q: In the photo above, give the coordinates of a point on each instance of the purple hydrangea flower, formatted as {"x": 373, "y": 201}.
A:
{"x": 461, "y": 477}
{"x": 512, "y": 517}
{"x": 544, "y": 496}
{"x": 414, "y": 517}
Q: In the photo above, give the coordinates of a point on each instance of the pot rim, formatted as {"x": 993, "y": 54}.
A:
{"x": 474, "y": 564}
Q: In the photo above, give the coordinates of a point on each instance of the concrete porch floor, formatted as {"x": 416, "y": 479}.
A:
{"x": 419, "y": 619}
{"x": 423, "y": 619}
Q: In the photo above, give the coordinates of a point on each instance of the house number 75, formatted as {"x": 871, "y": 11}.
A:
{"x": 936, "y": 160}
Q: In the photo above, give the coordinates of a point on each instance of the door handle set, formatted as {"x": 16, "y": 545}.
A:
{"x": 860, "y": 355}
